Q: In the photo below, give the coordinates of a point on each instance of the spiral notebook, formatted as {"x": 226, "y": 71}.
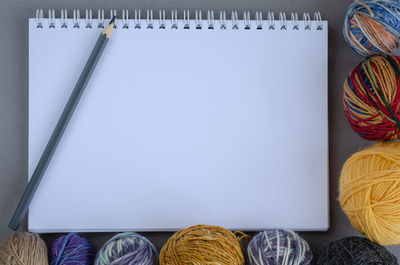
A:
{"x": 188, "y": 119}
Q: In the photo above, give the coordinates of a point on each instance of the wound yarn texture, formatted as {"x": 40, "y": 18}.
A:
{"x": 373, "y": 26}
{"x": 23, "y": 249}
{"x": 278, "y": 247}
{"x": 202, "y": 244}
{"x": 371, "y": 98}
{"x": 127, "y": 249}
{"x": 369, "y": 192}
{"x": 355, "y": 251}
{"x": 71, "y": 249}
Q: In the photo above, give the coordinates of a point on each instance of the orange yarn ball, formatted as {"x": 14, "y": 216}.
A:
{"x": 202, "y": 244}
{"x": 370, "y": 192}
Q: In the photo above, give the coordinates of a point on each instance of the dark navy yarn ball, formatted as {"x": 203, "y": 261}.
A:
{"x": 355, "y": 251}
{"x": 71, "y": 249}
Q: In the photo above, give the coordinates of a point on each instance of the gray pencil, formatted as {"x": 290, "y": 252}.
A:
{"x": 62, "y": 124}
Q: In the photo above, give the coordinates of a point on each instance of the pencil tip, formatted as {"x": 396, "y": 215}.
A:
{"x": 112, "y": 20}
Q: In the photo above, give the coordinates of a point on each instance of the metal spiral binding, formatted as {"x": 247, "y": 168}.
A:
{"x": 39, "y": 18}
{"x": 282, "y": 20}
{"x": 149, "y": 19}
{"x": 52, "y": 18}
{"x": 88, "y": 18}
{"x": 100, "y": 18}
{"x": 222, "y": 19}
{"x": 137, "y": 20}
{"x": 295, "y": 21}
{"x": 174, "y": 19}
{"x": 271, "y": 21}
{"x": 318, "y": 20}
{"x": 125, "y": 18}
{"x": 293, "y": 24}
{"x": 210, "y": 19}
{"x": 247, "y": 20}
{"x": 307, "y": 21}
{"x": 113, "y": 13}
{"x": 186, "y": 19}
{"x": 259, "y": 22}
{"x": 64, "y": 17}
{"x": 76, "y": 18}
{"x": 235, "y": 20}
{"x": 162, "y": 19}
{"x": 198, "y": 20}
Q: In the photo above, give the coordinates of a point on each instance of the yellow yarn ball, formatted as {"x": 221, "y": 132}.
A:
{"x": 369, "y": 189}
{"x": 202, "y": 244}
{"x": 23, "y": 249}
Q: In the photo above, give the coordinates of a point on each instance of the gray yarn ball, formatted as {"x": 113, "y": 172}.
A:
{"x": 127, "y": 249}
{"x": 278, "y": 247}
{"x": 355, "y": 251}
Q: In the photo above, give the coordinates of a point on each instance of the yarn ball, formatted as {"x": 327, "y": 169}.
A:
{"x": 127, "y": 248}
{"x": 373, "y": 26}
{"x": 355, "y": 251}
{"x": 372, "y": 98}
{"x": 277, "y": 246}
{"x": 369, "y": 188}
{"x": 71, "y": 249}
{"x": 202, "y": 244}
{"x": 23, "y": 248}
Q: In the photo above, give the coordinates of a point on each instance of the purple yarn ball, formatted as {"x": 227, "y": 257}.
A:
{"x": 278, "y": 246}
{"x": 71, "y": 249}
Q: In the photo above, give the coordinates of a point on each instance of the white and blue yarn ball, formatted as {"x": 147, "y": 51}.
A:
{"x": 127, "y": 249}
{"x": 278, "y": 247}
{"x": 373, "y": 26}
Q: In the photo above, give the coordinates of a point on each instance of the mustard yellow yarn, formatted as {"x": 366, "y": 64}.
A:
{"x": 23, "y": 249}
{"x": 369, "y": 189}
{"x": 202, "y": 245}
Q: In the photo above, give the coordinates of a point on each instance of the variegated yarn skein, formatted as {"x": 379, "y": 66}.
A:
{"x": 278, "y": 247}
{"x": 373, "y": 26}
{"x": 23, "y": 249}
{"x": 127, "y": 249}
{"x": 202, "y": 244}
{"x": 372, "y": 98}
{"x": 71, "y": 249}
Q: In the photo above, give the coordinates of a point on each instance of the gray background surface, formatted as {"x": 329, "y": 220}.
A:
{"x": 14, "y": 16}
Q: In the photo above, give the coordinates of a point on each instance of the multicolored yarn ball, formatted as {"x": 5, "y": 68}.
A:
{"x": 372, "y": 98}
{"x": 23, "y": 249}
{"x": 373, "y": 26}
{"x": 71, "y": 249}
{"x": 369, "y": 189}
{"x": 127, "y": 249}
{"x": 278, "y": 247}
{"x": 202, "y": 244}
{"x": 355, "y": 251}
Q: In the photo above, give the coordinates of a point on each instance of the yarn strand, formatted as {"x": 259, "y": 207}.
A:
{"x": 373, "y": 26}
{"x": 371, "y": 98}
{"x": 370, "y": 192}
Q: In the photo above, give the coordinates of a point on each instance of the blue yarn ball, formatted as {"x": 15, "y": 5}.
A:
{"x": 127, "y": 249}
{"x": 373, "y": 26}
{"x": 71, "y": 249}
{"x": 278, "y": 246}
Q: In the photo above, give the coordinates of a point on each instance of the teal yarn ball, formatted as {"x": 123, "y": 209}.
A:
{"x": 127, "y": 249}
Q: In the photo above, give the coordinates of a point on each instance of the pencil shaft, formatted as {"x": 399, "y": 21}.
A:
{"x": 58, "y": 132}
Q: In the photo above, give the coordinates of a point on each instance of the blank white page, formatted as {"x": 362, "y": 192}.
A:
{"x": 179, "y": 127}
